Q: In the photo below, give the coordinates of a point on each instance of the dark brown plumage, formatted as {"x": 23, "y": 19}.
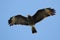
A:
{"x": 31, "y": 20}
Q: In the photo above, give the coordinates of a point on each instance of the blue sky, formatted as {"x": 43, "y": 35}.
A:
{"x": 48, "y": 29}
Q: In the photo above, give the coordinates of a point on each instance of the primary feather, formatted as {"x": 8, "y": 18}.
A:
{"x": 42, "y": 13}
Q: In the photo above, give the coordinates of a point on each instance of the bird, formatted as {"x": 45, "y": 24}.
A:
{"x": 31, "y": 20}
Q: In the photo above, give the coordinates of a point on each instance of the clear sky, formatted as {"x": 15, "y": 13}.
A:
{"x": 48, "y": 29}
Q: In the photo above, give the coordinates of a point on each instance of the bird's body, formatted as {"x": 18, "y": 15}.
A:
{"x": 31, "y": 20}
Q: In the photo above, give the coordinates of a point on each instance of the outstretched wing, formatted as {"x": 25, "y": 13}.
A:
{"x": 42, "y": 13}
{"x": 18, "y": 19}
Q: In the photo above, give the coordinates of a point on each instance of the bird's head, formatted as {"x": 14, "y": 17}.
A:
{"x": 11, "y": 21}
{"x": 50, "y": 11}
{"x": 29, "y": 16}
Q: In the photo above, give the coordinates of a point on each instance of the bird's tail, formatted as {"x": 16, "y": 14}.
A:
{"x": 33, "y": 29}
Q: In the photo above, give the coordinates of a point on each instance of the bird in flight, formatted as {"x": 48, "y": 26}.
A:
{"x": 31, "y": 20}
